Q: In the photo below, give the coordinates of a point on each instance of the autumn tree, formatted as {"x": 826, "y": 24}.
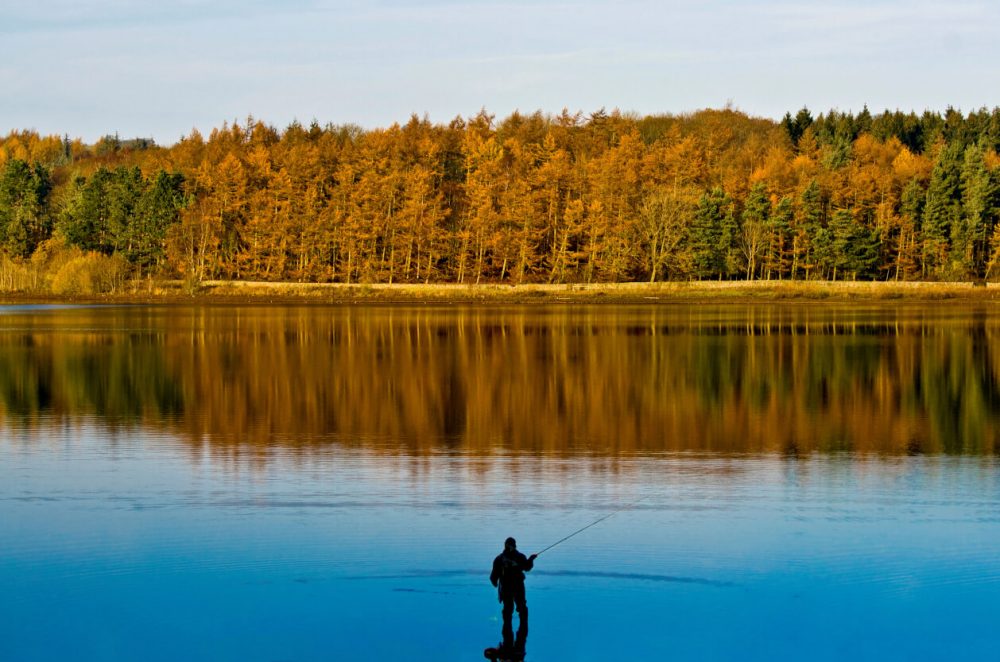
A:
{"x": 664, "y": 225}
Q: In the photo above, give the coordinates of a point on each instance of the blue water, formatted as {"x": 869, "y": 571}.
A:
{"x": 332, "y": 483}
{"x": 129, "y": 544}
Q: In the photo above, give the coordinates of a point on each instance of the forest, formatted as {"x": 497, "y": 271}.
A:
{"x": 530, "y": 198}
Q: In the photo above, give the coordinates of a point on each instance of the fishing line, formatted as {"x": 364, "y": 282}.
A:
{"x": 594, "y": 523}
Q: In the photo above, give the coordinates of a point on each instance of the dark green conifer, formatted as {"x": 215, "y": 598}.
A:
{"x": 24, "y": 202}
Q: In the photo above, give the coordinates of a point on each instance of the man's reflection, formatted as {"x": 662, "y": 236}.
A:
{"x": 512, "y": 647}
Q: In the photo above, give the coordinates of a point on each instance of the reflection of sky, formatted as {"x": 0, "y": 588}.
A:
{"x": 152, "y": 68}
{"x": 142, "y": 547}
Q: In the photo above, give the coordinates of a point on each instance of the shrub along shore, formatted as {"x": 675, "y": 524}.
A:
{"x": 714, "y": 292}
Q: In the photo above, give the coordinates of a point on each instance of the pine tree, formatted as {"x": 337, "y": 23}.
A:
{"x": 729, "y": 248}
{"x": 824, "y": 257}
{"x": 909, "y": 262}
{"x": 796, "y": 126}
{"x": 24, "y": 200}
{"x": 979, "y": 200}
{"x": 841, "y": 233}
{"x": 854, "y": 248}
{"x": 776, "y": 262}
{"x": 158, "y": 208}
{"x": 124, "y": 189}
{"x": 84, "y": 219}
{"x": 754, "y": 228}
{"x": 707, "y": 228}
{"x": 943, "y": 210}
{"x": 808, "y": 222}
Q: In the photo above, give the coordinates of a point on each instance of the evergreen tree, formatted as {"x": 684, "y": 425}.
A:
{"x": 808, "y": 221}
{"x": 733, "y": 264}
{"x": 84, "y": 218}
{"x": 707, "y": 229}
{"x": 24, "y": 198}
{"x": 865, "y": 250}
{"x": 121, "y": 211}
{"x": 122, "y": 197}
{"x": 796, "y": 126}
{"x": 157, "y": 209}
{"x": 838, "y": 153}
{"x": 841, "y": 235}
{"x": 909, "y": 263}
{"x": 754, "y": 228}
{"x": 863, "y": 122}
{"x": 943, "y": 210}
{"x": 823, "y": 253}
{"x": 979, "y": 207}
{"x": 853, "y": 248}
{"x": 779, "y": 225}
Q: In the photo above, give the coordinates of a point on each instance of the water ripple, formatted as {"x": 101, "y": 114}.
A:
{"x": 633, "y": 576}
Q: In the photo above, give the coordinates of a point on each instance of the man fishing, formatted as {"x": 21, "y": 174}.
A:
{"x": 508, "y": 576}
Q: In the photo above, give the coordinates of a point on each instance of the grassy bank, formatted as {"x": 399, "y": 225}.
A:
{"x": 677, "y": 292}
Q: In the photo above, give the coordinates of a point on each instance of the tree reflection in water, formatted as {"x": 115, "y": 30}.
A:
{"x": 604, "y": 380}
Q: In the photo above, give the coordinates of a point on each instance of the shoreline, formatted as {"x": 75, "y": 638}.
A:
{"x": 687, "y": 292}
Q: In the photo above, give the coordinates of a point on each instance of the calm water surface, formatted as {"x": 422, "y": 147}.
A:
{"x": 313, "y": 483}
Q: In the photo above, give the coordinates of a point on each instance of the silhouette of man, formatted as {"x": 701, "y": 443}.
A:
{"x": 508, "y": 576}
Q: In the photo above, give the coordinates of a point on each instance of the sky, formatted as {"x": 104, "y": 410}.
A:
{"x": 144, "y": 68}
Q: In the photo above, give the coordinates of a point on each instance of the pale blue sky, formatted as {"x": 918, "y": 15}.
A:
{"x": 159, "y": 68}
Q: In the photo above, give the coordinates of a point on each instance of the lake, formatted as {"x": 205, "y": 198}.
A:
{"x": 788, "y": 481}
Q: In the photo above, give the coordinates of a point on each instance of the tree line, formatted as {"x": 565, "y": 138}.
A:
{"x": 605, "y": 197}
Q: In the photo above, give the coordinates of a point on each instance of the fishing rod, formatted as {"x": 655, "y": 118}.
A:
{"x": 594, "y": 523}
